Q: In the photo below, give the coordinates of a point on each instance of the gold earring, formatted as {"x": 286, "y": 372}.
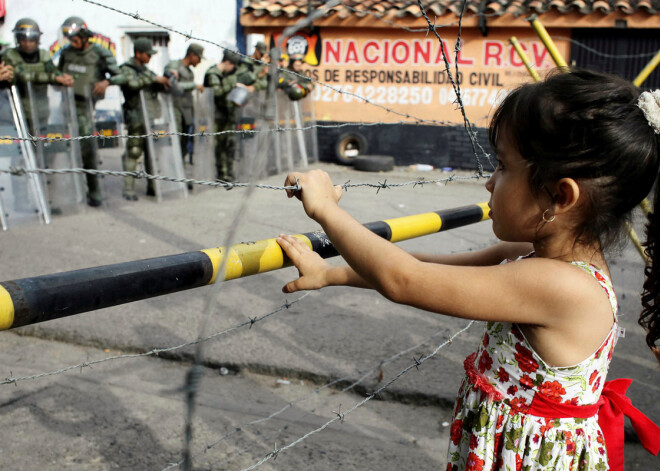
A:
{"x": 546, "y": 219}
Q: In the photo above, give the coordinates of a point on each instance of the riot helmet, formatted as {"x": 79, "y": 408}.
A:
{"x": 75, "y": 26}
{"x": 296, "y": 92}
{"x": 26, "y": 29}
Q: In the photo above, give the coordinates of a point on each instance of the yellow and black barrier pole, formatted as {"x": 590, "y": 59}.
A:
{"x": 31, "y": 300}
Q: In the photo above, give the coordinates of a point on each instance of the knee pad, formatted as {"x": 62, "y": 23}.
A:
{"x": 134, "y": 152}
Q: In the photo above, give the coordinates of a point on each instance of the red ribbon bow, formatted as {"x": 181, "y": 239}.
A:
{"x": 612, "y": 408}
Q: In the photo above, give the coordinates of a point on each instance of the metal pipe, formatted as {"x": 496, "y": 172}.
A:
{"x": 547, "y": 41}
{"x": 31, "y": 300}
{"x": 646, "y": 71}
{"x": 523, "y": 57}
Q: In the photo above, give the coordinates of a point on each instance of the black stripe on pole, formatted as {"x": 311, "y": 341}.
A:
{"x": 322, "y": 245}
{"x": 458, "y": 217}
{"x": 49, "y": 297}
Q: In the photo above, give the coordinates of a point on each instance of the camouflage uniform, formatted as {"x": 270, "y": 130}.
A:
{"x": 183, "y": 100}
{"x": 38, "y": 69}
{"x": 138, "y": 77}
{"x": 88, "y": 66}
{"x": 225, "y": 113}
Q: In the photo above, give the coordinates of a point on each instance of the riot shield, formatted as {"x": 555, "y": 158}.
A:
{"x": 107, "y": 124}
{"x": 203, "y": 159}
{"x": 308, "y": 122}
{"x": 52, "y": 114}
{"x": 285, "y": 141}
{"x": 255, "y": 141}
{"x": 21, "y": 197}
{"x": 164, "y": 151}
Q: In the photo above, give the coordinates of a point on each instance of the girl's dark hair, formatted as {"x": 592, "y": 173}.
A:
{"x": 587, "y": 126}
{"x": 650, "y": 317}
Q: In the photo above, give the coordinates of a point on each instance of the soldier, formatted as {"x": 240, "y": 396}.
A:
{"x": 293, "y": 81}
{"x": 138, "y": 77}
{"x": 31, "y": 64}
{"x": 93, "y": 69}
{"x": 222, "y": 78}
{"x": 258, "y": 69}
{"x": 183, "y": 83}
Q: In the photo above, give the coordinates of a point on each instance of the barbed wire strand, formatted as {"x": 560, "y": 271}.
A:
{"x": 241, "y": 132}
{"x": 472, "y": 134}
{"x": 156, "y": 351}
{"x": 340, "y": 417}
{"x": 189, "y": 36}
{"x": 362, "y": 375}
{"x": 140, "y": 174}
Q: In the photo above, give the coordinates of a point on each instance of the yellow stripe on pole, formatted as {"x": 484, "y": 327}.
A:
{"x": 6, "y": 309}
{"x": 523, "y": 57}
{"x": 646, "y": 71}
{"x": 548, "y": 42}
{"x": 418, "y": 225}
{"x": 249, "y": 258}
{"x": 485, "y": 209}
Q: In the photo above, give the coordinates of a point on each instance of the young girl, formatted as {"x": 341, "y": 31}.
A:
{"x": 575, "y": 154}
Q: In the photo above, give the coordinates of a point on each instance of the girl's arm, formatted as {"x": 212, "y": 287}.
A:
{"x": 514, "y": 292}
{"x": 316, "y": 273}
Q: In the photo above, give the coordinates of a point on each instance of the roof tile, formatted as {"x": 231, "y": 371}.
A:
{"x": 403, "y": 8}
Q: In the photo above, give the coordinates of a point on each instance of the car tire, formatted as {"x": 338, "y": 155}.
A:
{"x": 349, "y": 146}
{"x": 374, "y": 163}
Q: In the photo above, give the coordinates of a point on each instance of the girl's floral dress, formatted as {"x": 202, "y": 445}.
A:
{"x": 491, "y": 429}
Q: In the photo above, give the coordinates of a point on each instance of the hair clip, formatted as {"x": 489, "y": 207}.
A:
{"x": 649, "y": 103}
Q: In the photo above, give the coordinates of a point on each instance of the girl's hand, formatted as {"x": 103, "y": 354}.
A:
{"x": 311, "y": 267}
{"x": 316, "y": 191}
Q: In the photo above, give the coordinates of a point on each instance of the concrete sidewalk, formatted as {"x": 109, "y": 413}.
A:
{"x": 330, "y": 334}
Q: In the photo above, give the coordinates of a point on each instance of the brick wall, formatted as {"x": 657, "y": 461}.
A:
{"x": 440, "y": 146}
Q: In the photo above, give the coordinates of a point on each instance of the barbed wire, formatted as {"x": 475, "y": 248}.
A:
{"x": 242, "y": 132}
{"x": 156, "y": 351}
{"x": 472, "y": 134}
{"x": 341, "y": 416}
{"x": 362, "y": 375}
{"x": 189, "y": 36}
{"x": 140, "y": 174}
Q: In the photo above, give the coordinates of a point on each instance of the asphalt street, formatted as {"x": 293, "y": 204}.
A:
{"x": 129, "y": 413}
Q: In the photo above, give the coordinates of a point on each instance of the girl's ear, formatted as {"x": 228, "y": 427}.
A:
{"x": 567, "y": 195}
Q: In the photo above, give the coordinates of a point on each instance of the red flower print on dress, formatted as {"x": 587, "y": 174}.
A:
{"x": 512, "y": 390}
{"x": 479, "y": 381}
{"x": 456, "y": 431}
{"x": 474, "y": 463}
{"x": 474, "y": 441}
{"x": 497, "y": 447}
{"x": 518, "y": 405}
{"x": 570, "y": 444}
{"x": 500, "y": 420}
{"x": 518, "y": 462}
{"x": 525, "y": 359}
{"x": 486, "y": 339}
{"x": 516, "y": 331}
{"x": 600, "y": 277}
{"x": 592, "y": 376}
{"x": 602, "y": 347}
{"x": 596, "y": 385}
{"x": 502, "y": 375}
{"x": 526, "y": 382}
{"x": 549, "y": 423}
{"x": 553, "y": 391}
{"x": 485, "y": 362}
{"x": 572, "y": 402}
